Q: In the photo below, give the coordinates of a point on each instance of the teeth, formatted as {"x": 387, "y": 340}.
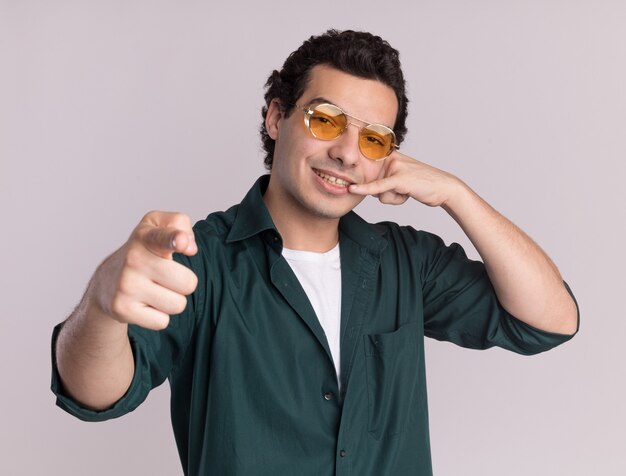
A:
{"x": 332, "y": 179}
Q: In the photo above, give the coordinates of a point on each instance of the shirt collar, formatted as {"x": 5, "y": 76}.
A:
{"x": 367, "y": 235}
{"x": 252, "y": 214}
{"x": 253, "y": 218}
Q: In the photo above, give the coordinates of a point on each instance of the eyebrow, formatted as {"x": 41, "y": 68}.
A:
{"x": 321, "y": 99}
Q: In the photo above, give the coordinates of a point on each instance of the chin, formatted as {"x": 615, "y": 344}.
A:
{"x": 332, "y": 210}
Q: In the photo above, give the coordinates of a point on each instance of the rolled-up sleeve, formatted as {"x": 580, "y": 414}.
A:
{"x": 155, "y": 354}
{"x": 461, "y": 305}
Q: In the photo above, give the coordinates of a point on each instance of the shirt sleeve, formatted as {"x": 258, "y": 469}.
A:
{"x": 156, "y": 353}
{"x": 461, "y": 306}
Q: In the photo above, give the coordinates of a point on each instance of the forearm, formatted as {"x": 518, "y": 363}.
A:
{"x": 527, "y": 283}
{"x": 94, "y": 356}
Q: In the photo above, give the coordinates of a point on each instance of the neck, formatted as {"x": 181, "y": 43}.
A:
{"x": 301, "y": 230}
{"x": 308, "y": 236}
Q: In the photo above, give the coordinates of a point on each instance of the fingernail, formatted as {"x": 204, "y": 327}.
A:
{"x": 173, "y": 243}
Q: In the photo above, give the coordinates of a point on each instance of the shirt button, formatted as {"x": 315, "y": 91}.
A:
{"x": 342, "y": 453}
{"x": 328, "y": 396}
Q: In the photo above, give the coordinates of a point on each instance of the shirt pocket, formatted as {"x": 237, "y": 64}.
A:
{"x": 392, "y": 369}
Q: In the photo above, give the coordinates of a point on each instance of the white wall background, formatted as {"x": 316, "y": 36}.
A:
{"x": 110, "y": 109}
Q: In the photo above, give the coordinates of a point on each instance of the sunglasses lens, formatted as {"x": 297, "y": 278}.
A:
{"x": 327, "y": 121}
{"x": 376, "y": 141}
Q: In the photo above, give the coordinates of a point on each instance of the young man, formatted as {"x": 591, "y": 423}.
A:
{"x": 295, "y": 344}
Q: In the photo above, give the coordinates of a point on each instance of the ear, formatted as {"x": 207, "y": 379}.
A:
{"x": 273, "y": 118}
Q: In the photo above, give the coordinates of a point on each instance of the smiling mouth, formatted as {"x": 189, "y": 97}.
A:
{"x": 331, "y": 179}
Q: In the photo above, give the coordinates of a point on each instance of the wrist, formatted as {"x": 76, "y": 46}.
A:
{"x": 94, "y": 315}
{"x": 459, "y": 194}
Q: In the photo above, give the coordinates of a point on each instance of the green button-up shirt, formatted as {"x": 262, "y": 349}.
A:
{"x": 254, "y": 388}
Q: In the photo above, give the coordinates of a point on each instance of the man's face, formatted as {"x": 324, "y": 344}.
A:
{"x": 304, "y": 167}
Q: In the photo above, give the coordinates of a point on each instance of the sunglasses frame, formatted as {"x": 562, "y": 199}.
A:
{"x": 310, "y": 109}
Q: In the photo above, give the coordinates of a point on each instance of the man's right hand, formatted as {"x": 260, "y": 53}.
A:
{"x": 140, "y": 283}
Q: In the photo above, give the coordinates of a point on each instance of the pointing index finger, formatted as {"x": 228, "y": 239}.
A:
{"x": 165, "y": 233}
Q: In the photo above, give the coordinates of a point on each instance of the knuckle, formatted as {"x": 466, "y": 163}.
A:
{"x": 166, "y": 219}
{"x": 191, "y": 283}
{"x": 179, "y": 304}
{"x": 161, "y": 323}
{"x": 119, "y": 308}
{"x": 184, "y": 219}
{"x": 134, "y": 258}
{"x": 125, "y": 285}
{"x": 150, "y": 216}
{"x": 181, "y": 221}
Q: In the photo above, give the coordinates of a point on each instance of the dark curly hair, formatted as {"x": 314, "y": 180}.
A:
{"x": 355, "y": 52}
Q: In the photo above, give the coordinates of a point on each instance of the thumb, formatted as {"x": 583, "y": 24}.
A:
{"x": 165, "y": 241}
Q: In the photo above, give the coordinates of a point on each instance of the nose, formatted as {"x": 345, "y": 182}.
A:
{"x": 345, "y": 149}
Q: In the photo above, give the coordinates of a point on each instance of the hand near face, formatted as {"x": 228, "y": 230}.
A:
{"x": 402, "y": 177}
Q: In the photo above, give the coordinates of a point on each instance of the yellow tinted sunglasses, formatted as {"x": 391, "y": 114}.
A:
{"x": 326, "y": 121}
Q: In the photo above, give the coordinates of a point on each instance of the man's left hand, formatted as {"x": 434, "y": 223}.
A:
{"x": 402, "y": 177}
